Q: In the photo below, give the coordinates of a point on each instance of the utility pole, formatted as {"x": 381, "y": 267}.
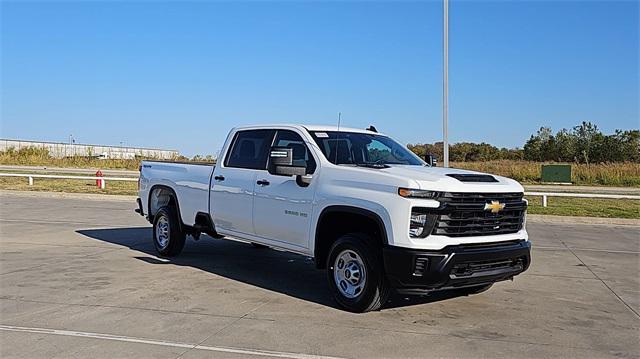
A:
{"x": 445, "y": 84}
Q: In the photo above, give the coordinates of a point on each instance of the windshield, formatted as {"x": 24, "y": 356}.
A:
{"x": 348, "y": 148}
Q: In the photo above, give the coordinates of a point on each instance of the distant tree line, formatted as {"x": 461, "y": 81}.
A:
{"x": 584, "y": 143}
{"x": 468, "y": 151}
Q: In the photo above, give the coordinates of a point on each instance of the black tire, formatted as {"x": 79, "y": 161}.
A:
{"x": 171, "y": 246}
{"x": 258, "y": 245}
{"x": 472, "y": 290}
{"x": 375, "y": 289}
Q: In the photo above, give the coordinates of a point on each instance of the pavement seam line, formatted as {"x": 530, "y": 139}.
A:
{"x": 600, "y": 279}
{"x": 226, "y": 326}
{"x": 557, "y": 276}
{"x": 44, "y": 264}
{"x": 547, "y": 248}
{"x": 471, "y": 337}
{"x": 122, "y": 338}
{"x": 55, "y": 245}
{"x": 39, "y": 221}
{"x": 131, "y": 308}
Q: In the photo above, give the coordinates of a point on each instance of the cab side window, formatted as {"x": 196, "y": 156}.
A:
{"x": 301, "y": 154}
{"x": 250, "y": 149}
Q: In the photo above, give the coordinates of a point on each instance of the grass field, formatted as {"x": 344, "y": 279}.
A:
{"x": 32, "y": 156}
{"x": 67, "y": 185}
{"x": 603, "y": 174}
{"x": 586, "y": 207}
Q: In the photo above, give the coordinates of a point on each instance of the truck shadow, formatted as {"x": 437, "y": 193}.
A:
{"x": 270, "y": 269}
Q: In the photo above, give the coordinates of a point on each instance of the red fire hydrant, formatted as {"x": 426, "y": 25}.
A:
{"x": 99, "y": 182}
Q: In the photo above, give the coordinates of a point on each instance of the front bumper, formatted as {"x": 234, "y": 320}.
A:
{"x": 419, "y": 271}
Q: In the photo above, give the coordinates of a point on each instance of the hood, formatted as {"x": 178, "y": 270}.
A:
{"x": 437, "y": 179}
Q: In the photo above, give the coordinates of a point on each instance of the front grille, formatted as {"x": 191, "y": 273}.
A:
{"x": 465, "y": 215}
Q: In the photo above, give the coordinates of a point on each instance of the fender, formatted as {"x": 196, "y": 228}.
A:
{"x": 354, "y": 210}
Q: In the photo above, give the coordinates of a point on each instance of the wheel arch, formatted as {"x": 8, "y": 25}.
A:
{"x": 336, "y": 220}
{"x": 171, "y": 198}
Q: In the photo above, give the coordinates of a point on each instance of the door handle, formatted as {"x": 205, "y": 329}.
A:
{"x": 263, "y": 182}
{"x": 219, "y": 178}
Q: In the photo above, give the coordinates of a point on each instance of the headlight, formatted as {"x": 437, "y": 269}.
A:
{"x": 416, "y": 193}
{"x": 421, "y": 223}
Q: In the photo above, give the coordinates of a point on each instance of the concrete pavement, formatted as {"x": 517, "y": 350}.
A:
{"x": 79, "y": 278}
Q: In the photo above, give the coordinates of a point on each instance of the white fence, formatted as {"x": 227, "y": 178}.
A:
{"x": 103, "y": 183}
{"x": 544, "y": 195}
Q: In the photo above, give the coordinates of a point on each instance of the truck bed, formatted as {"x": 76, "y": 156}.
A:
{"x": 189, "y": 180}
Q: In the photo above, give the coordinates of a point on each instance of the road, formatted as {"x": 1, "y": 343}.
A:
{"x": 79, "y": 278}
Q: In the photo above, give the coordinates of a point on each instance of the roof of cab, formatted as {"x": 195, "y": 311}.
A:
{"x": 313, "y": 128}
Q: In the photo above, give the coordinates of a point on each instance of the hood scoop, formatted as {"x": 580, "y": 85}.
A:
{"x": 472, "y": 177}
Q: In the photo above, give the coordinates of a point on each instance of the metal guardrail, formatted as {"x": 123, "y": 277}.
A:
{"x": 544, "y": 195}
{"x": 67, "y": 171}
{"x": 103, "y": 182}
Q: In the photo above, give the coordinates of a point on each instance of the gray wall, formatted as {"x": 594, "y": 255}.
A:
{"x": 60, "y": 150}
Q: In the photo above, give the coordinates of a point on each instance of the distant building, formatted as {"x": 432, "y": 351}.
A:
{"x": 60, "y": 150}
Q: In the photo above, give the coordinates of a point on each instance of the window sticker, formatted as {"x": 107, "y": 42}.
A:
{"x": 322, "y": 135}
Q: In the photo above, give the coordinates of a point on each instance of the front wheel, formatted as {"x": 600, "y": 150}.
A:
{"x": 355, "y": 274}
{"x": 167, "y": 236}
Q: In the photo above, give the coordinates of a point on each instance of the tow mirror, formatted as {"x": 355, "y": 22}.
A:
{"x": 431, "y": 160}
{"x": 281, "y": 163}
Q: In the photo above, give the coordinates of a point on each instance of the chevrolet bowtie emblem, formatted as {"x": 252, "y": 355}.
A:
{"x": 494, "y": 206}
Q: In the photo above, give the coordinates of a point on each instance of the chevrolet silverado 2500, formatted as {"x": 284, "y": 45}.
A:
{"x": 371, "y": 213}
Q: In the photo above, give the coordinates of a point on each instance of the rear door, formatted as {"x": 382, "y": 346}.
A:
{"x": 234, "y": 181}
{"x": 282, "y": 208}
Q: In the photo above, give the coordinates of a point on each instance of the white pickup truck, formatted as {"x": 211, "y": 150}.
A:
{"x": 368, "y": 210}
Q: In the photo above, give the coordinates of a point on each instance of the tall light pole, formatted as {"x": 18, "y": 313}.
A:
{"x": 445, "y": 83}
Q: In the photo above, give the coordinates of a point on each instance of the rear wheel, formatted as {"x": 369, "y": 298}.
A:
{"x": 355, "y": 275}
{"x": 167, "y": 236}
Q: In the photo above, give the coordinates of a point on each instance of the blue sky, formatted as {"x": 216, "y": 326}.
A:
{"x": 181, "y": 74}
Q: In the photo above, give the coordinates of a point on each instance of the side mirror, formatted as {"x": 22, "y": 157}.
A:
{"x": 431, "y": 160}
{"x": 281, "y": 163}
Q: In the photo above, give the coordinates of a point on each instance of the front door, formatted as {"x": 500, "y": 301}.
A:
{"x": 282, "y": 208}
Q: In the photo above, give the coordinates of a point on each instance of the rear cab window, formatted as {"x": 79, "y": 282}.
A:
{"x": 250, "y": 149}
